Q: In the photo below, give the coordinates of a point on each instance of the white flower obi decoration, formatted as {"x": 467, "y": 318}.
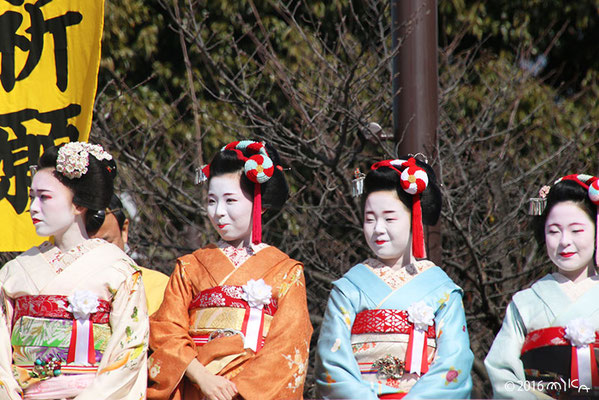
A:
{"x": 421, "y": 315}
{"x": 580, "y": 332}
{"x": 82, "y": 303}
{"x": 257, "y": 293}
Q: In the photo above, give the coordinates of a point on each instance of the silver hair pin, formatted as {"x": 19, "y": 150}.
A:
{"x": 200, "y": 175}
{"x": 420, "y": 157}
{"x": 536, "y": 205}
{"x": 357, "y": 183}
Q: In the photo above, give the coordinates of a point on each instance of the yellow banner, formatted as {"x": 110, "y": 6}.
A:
{"x": 49, "y": 59}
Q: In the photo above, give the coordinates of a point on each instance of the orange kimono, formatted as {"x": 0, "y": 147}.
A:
{"x": 204, "y": 315}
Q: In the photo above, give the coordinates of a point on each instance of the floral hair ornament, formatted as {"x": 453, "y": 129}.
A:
{"x": 73, "y": 158}
{"x": 588, "y": 182}
{"x": 258, "y": 168}
{"x": 413, "y": 180}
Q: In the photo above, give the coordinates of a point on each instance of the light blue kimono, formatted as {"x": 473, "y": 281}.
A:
{"x": 543, "y": 305}
{"x": 337, "y": 372}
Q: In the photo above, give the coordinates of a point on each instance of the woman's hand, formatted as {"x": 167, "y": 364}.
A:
{"x": 214, "y": 387}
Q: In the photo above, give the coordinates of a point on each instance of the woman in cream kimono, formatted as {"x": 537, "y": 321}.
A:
{"x": 9, "y": 388}
{"x": 394, "y": 326}
{"x": 77, "y": 309}
{"x": 234, "y": 321}
{"x": 548, "y": 342}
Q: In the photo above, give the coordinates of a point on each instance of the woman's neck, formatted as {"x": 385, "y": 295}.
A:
{"x": 238, "y": 243}
{"x": 72, "y": 237}
{"x": 398, "y": 263}
{"x": 580, "y": 274}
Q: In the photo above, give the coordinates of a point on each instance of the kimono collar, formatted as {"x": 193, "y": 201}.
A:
{"x": 238, "y": 255}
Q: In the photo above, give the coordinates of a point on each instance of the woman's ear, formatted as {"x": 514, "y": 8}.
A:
{"x": 79, "y": 210}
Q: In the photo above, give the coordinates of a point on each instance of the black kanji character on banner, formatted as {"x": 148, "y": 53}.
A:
{"x": 10, "y": 22}
{"x": 17, "y": 154}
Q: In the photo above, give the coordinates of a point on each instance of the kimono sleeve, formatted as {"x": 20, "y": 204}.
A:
{"x": 122, "y": 373}
{"x": 279, "y": 369}
{"x": 173, "y": 349}
{"x": 337, "y": 373}
{"x": 9, "y": 388}
{"x": 503, "y": 363}
{"x": 449, "y": 375}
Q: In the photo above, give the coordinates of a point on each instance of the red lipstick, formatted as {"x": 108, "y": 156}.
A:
{"x": 567, "y": 254}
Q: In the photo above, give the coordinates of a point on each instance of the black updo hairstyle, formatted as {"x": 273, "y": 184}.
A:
{"x": 565, "y": 190}
{"x": 93, "y": 190}
{"x": 385, "y": 178}
{"x": 275, "y": 191}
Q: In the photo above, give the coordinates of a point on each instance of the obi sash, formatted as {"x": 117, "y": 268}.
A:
{"x": 80, "y": 337}
{"x": 548, "y": 352}
{"x": 395, "y": 322}
{"x": 222, "y": 311}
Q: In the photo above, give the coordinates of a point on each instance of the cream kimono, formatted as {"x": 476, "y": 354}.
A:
{"x": 9, "y": 389}
{"x": 95, "y": 297}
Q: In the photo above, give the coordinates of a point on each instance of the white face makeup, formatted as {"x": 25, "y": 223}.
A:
{"x": 52, "y": 210}
{"x": 569, "y": 238}
{"x": 387, "y": 227}
{"x": 230, "y": 209}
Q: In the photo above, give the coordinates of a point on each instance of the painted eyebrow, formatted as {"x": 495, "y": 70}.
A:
{"x": 224, "y": 194}
{"x": 573, "y": 223}
{"x": 384, "y": 212}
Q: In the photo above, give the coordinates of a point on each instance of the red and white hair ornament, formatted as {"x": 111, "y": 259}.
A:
{"x": 413, "y": 180}
{"x": 591, "y": 184}
{"x": 258, "y": 168}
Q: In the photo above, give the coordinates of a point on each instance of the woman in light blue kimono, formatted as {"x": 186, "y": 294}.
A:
{"x": 394, "y": 326}
{"x": 547, "y": 343}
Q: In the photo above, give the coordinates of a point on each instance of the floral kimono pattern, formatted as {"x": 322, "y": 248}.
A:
{"x": 205, "y": 309}
{"x": 349, "y": 362}
{"x": 97, "y": 291}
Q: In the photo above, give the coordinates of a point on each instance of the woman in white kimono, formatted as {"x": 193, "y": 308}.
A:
{"x": 77, "y": 308}
{"x": 394, "y": 326}
{"x": 546, "y": 346}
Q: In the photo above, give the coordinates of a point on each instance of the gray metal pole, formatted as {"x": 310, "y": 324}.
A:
{"x": 415, "y": 86}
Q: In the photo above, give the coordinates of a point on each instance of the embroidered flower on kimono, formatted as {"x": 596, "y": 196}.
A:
{"x": 421, "y": 315}
{"x": 233, "y": 291}
{"x": 217, "y": 298}
{"x": 257, "y": 293}
{"x": 82, "y": 303}
{"x": 580, "y": 332}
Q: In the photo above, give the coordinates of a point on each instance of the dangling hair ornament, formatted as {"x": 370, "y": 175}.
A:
{"x": 536, "y": 205}
{"x": 258, "y": 168}
{"x": 202, "y": 174}
{"x": 413, "y": 180}
{"x": 591, "y": 184}
{"x": 357, "y": 184}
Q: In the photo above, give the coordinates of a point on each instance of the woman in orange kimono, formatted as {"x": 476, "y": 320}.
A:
{"x": 234, "y": 322}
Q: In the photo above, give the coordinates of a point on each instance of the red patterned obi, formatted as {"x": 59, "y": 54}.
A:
{"x": 81, "y": 350}
{"x": 227, "y": 296}
{"x": 548, "y": 355}
{"x": 389, "y": 321}
{"x": 46, "y": 306}
{"x": 385, "y": 321}
{"x": 210, "y": 318}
